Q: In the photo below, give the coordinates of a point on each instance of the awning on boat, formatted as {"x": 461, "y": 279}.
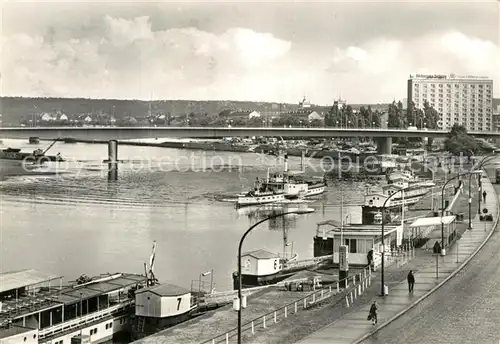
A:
{"x": 24, "y": 278}
{"x": 433, "y": 221}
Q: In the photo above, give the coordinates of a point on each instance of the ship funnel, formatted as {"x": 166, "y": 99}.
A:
{"x": 286, "y": 162}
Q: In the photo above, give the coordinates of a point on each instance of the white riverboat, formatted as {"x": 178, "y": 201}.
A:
{"x": 280, "y": 187}
{"x": 415, "y": 189}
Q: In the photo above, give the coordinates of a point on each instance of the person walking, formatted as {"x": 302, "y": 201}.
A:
{"x": 411, "y": 281}
{"x": 372, "y": 315}
{"x": 484, "y": 196}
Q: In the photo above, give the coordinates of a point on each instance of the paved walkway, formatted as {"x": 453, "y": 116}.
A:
{"x": 354, "y": 326}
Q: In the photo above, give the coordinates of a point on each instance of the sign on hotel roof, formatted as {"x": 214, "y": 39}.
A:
{"x": 443, "y": 76}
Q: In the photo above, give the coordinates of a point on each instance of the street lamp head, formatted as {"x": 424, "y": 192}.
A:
{"x": 206, "y": 273}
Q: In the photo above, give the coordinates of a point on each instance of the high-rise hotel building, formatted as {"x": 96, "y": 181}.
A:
{"x": 459, "y": 100}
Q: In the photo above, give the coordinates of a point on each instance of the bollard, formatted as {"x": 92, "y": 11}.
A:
{"x": 329, "y": 288}
{"x": 338, "y": 286}
{"x": 314, "y": 298}
{"x": 352, "y": 300}
{"x": 305, "y": 303}
{"x": 275, "y": 321}
{"x": 295, "y": 307}
{"x": 321, "y": 293}
{"x": 286, "y": 311}
{"x": 227, "y": 338}
{"x": 360, "y": 291}
{"x": 253, "y": 328}
{"x": 264, "y": 321}
{"x": 347, "y": 301}
{"x": 355, "y": 293}
{"x": 213, "y": 341}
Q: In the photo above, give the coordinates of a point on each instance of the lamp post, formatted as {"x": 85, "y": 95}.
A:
{"x": 443, "y": 251}
{"x": 383, "y": 241}
{"x": 298, "y": 212}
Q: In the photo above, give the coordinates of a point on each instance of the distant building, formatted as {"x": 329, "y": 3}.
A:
{"x": 340, "y": 103}
{"x": 463, "y": 100}
{"x": 46, "y": 117}
{"x": 63, "y": 117}
{"x": 315, "y": 116}
{"x": 496, "y": 118}
{"x": 304, "y": 104}
{"x": 253, "y": 114}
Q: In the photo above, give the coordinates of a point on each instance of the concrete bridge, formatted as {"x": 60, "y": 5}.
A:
{"x": 383, "y": 137}
{"x": 124, "y": 133}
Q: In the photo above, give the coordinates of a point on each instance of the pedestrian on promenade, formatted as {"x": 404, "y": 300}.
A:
{"x": 411, "y": 281}
{"x": 372, "y": 315}
{"x": 484, "y": 196}
{"x": 369, "y": 257}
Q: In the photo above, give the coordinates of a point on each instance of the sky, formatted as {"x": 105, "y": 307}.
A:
{"x": 276, "y": 51}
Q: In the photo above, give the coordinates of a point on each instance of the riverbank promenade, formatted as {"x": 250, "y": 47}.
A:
{"x": 354, "y": 327}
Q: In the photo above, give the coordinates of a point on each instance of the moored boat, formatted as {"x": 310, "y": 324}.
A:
{"x": 280, "y": 187}
{"x": 35, "y": 307}
{"x": 37, "y": 157}
{"x": 376, "y": 196}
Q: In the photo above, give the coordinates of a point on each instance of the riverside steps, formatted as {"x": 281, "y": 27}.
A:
{"x": 353, "y": 326}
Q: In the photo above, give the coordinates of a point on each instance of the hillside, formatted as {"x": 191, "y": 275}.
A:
{"x": 15, "y": 109}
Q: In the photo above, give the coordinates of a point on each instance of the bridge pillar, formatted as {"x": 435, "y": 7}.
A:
{"x": 113, "y": 160}
{"x": 384, "y": 145}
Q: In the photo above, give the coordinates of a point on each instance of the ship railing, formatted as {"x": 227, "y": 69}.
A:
{"x": 88, "y": 318}
{"x": 348, "y": 289}
{"x": 24, "y": 303}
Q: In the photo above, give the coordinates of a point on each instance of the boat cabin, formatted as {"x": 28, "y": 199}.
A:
{"x": 162, "y": 300}
{"x": 260, "y": 263}
{"x": 360, "y": 239}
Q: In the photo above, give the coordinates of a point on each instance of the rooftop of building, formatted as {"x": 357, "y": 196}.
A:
{"x": 261, "y": 254}
{"x": 24, "y": 278}
{"x": 165, "y": 290}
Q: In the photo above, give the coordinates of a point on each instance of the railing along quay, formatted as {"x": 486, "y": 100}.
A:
{"x": 315, "y": 298}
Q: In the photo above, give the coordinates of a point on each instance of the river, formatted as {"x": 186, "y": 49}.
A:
{"x": 76, "y": 222}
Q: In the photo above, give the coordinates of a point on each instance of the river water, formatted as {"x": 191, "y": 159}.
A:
{"x": 77, "y": 222}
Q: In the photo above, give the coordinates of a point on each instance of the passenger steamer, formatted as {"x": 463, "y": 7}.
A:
{"x": 281, "y": 187}
{"x": 35, "y": 307}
